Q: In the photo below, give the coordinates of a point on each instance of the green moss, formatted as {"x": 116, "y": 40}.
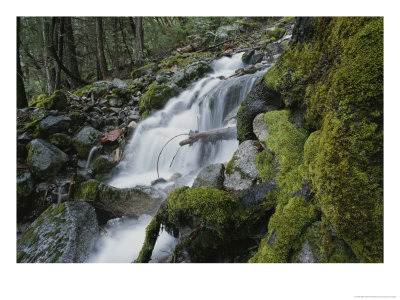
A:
{"x": 229, "y": 169}
{"x": 287, "y": 20}
{"x": 285, "y": 227}
{"x": 86, "y": 190}
{"x": 148, "y": 69}
{"x": 157, "y": 95}
{"x": 325, "y": 246}
{"x": 86, "y": 91}
{"x": 338, "y": 75}
{"x": 181, "y": 60}
{"x": 266, "y": 165}
{"x": 277, "y": 33}
{"x": 102, "y": 164}
{"x": 77, "y": 116}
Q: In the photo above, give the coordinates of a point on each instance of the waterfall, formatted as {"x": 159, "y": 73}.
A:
{"x": 210, "y": 103}
{"x": 90, "y": 156}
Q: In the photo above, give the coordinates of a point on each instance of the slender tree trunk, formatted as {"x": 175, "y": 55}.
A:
{"x": 60, "y": 50}
{"x": 70, "y": 50}
{"x": 121, "y": 24}
{"x": 48, "y": 62}
{"x": 21, "y": 96}
{"x": 116, "y": 45}
{"x": 100, "y": 48}
{"x": 139, "y": 40}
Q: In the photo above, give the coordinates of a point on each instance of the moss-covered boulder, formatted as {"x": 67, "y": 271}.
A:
{"x": 54, "y": 124}
{"x": 87, "y": 190}
{"x": 320, "y": 244}
{"x": 333, "y": 68}
{"x": 128, "y": 201}
{"x": 97, "y": 90}
{"x": 64, "y": 233}
{"x": 57, "y": 101}
{"x": 149, "y": 69}
{"x": 85, "y": 140}
{"x": 157, "y": 95}
{"x": 60, "y": 140}
{"x": 44, "y": 159}
{"x": 241, "y": 172}
{"x": 214, "y": 225}
{"x": 77, "y": 117}
{"x": 102, "y": 164}
{"x": 211, "y": 176}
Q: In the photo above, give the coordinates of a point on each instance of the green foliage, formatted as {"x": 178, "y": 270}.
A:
{"x": 266, "y": 165}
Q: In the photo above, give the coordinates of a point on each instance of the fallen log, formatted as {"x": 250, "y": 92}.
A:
{"x": 216, "y": 134}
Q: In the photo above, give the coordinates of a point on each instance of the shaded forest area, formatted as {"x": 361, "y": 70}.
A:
{"x": 68, "y": 52}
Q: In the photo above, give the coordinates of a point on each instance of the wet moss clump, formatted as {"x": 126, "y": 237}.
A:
{"x": 87, "y": 190}
{"x": 56, "y": 101}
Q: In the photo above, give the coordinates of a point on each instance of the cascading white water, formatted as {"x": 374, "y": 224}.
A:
{"x": 211, "y": 100}
{"x": 90, "y": 156}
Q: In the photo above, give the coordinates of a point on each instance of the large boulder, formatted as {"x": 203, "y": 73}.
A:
{"x": 54, "y": 124}
{"x": 260, "y": 99}
{"x": 44, "y": 159}
{"x": 60, "y": 140}
{"x": 157, "y": 95}
{"x": 241, "y": 172}
{"x": 211, "y": 175}
{"x": 260, "y": 128}
{"x": 64, "y": 233}
{"x": 85, "y": 140}
{"x": 128, "y": 201}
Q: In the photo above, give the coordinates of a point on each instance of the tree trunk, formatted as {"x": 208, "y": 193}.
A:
{"x": 121, "y": 24}
{"x": 70, "y": 50}
{"x": 139, "y": 40}
{"x": 60, "y": 50}
{"x": 116, "y": 45}
{"x": 48, "y": 62}
{"x": 21, "y": 96}
{"x": 101, "y": 58}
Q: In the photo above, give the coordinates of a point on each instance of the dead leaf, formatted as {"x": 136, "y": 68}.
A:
{"x": 112, "y": 135}
{"x": 116, "y": 157}
{"x": 174, "y": 68}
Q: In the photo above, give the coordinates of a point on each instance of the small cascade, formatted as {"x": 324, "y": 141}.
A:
{"x": 59, "y": 197}
{"x": 90, "y": 155}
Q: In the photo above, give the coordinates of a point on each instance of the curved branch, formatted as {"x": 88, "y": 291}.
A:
{"x": 158, "y": 159}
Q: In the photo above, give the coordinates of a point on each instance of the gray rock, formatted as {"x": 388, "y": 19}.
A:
{"x": 175, "y": 177}
{"x": 54, "y": 124}
{"x": 212, "y": 176}
{"x": 257, "y": 57}
{"x": 41, "y": 187}
{"x": 305, "y": 255}
{"x": 246, "y": 57}
{"x": 85, "y": 140}
{"x": 24, "y": 138}
{"x": 133, "y": 117}
{"x": 44, "y": 159}
{"x": 129, "y": 201}
{"x": 25, "y": 184}
{"x": 260, "y": 128}
{"x": 118, "y": 83}
{"x": 241, "y": 172}
{"x": 158, "y": 181}
{"x": 114, "y": 101}
{"x": 111, "y": 121}
{"x": 64, "y": 233}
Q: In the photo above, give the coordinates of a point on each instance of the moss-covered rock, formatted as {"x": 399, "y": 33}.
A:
{"x": 85, "y": 140}
{"x": 213, "y": 223}
{"x": 87, "y": 190}
{"x": 157, "y": 95}
{"x": 321, "y": 245}
{"x": 149, "y": 69}
{"x": 44, "y": 159}
{"x": 335, "y": 68}
{"x": 57, "y": 101}
{"x": 102, "y": 164}
{"x": 97, "y": 90}
{"x": 60, "y": 140}
{"x": 64, "y": 233}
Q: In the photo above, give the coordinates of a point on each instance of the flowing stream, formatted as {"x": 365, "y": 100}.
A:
{"x": 209, "y": 103}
